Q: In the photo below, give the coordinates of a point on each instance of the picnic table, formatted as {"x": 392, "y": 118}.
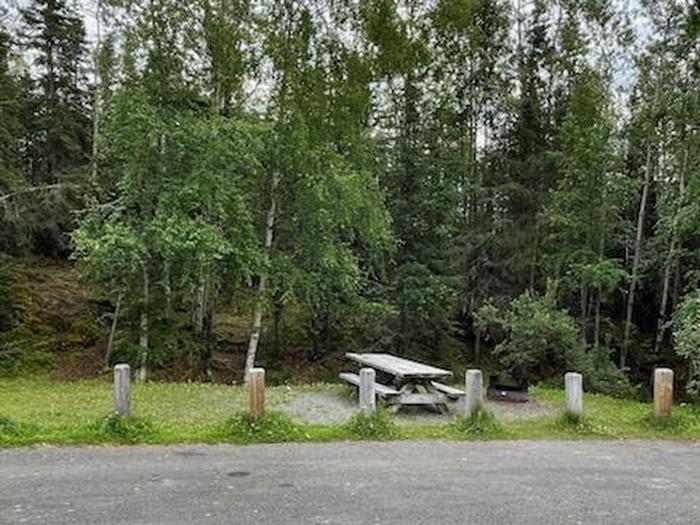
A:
{"x": 402, "y": 382}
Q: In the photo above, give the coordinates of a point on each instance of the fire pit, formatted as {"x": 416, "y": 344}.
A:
{"x": 508, "y": 389}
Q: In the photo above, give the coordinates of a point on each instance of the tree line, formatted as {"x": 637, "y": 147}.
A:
{"x": 503, "y": 181}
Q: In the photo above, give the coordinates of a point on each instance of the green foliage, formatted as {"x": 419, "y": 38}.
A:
{"x": 428, "y": 163}
{"x": 480, "y": 424}
{"x": 8, "y": 428}
{"x": 605, "y": 274}
{"x": 572, "y": 419}
{"x": 535, "y": 339}
{"x": 586, "y": 206}
{"x": 686, "y": 332}
{"x": 272, "y": 427}
{"x": 602, "y": 376}
{"x": 72, "y": 412}
{"x": 54, "y": 31}
{"x": 674, "y": 424}
{"x": 376, "y": 427}
{"x": 121, "y": 429}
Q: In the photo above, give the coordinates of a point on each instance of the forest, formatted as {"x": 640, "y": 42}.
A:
{"x": 197, "y": 186}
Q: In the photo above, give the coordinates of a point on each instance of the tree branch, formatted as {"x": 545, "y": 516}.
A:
{"x": 45, "y": 187}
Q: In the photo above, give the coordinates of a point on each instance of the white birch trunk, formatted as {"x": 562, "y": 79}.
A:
{"x": 113, "y": 330}
{"x": 199, "y": 299}
{"x": 256, "y": 329}
{"x": 636, "y": 259}
{"x": 167, "y": 286}
{"x": 670, "y": 257}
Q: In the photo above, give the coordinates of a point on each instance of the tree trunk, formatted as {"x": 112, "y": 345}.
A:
{"x": 50, "y": 98}
{"x": 206, "y": 341}
{"x": 143, "y": 331}
{"x": 596, "y": 329}
{"x": 584, "y": 311}
{"x": 636, "y": 259}
{"x": 97, "y": 96}
{"x": 113, "y": 331}
{"x": 199, "y": 305}
{"x": 669, "y": 262}
{"x": 661, "y": 320}
{"x": 204, "y": 321}
{"x": 256, "y": 329}
{"x": 167, "y": 287}
{"x": 677, "y": 284}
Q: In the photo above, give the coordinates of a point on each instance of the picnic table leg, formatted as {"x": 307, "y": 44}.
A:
{"x": 410, "y": 388}
{"x": 440, "y": 406}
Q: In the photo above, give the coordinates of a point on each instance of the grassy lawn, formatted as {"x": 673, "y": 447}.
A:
{"x": 41, "y": 411}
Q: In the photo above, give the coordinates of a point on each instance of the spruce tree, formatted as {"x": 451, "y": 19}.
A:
{"x": 53, "y": 33}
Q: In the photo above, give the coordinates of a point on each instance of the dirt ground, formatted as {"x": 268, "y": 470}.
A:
{"x": 337, "y": 405}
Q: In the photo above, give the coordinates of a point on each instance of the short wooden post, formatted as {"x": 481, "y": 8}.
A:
{"x": 574, "y": 392}
{"x": 122, "y": 382}
{"x": 256, "y": 389}
{"x": 663, "y": 392}
{"x": 474, "y": 397}
{"x": 368, "y": 398}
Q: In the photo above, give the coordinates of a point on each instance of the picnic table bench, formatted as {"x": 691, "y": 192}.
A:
{"x": 402, "y": 382}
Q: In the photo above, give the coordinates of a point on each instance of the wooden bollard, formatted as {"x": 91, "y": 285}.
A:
{"x": 256, "y": 389}
{"x": 474, "y": 397}
{"x": 573, "y": 383}
{"x": 663, "y": 392}
{"x": 122, "y": 382}
{"x": 368, "y": 397}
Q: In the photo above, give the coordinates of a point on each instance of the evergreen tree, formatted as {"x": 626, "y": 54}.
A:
{"x": 16, "y": 117}
{"x": 586, "y": 206}
{"x": 54, "y": 32}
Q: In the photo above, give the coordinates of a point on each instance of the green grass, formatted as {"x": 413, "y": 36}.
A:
{"x": 42, "y": 411}
{"x": 482, "y": 424}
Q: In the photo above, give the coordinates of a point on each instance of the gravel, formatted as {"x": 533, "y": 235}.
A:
{"x": 332, "y": 406}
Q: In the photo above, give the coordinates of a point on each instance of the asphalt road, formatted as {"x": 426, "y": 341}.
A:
{"x": 355, "y": 483}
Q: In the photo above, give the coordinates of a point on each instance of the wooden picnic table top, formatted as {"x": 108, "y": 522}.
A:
{"x": 398, "y": 366}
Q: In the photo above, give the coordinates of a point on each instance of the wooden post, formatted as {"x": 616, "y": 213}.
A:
{"x": 663, "y": 392}
{"x": 368, "y": 398}
{"x": 474, "y": 397}
{"x": 256, "y": 389}
{"x": 574, "y": 393}
{"x": 122, "y": 381}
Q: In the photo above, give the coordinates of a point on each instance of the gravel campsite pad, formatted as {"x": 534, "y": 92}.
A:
{"x": 336, "y": 404}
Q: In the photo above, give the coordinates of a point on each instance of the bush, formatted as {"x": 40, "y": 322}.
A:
{"x": 272, "y": 427}
{"x": 538, "y": 341}
{"x": 480, "y": 423}
{"x": 119, "y": 428}
{"x": 601, "y": 376}
{"x": 8, "y": 427}
{"x": 378, "y": 426}
{"x": 686, "y": 332}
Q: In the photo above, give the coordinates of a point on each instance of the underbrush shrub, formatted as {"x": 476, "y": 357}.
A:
{"x": 686, "y": 335}
{"x": 574, "y": 422}
{"x": 535, "y": 340}
{"x": 676, "y": 423}
{"x": 272, "y": 427}
{"x": 481, "y": 423}
{"x": 378, "y": 426}
{"x": 119, "y": 428}
{"x": 25, "y": 349}
{"x": 602, "y": 376}
{"x": 8, "y": 428}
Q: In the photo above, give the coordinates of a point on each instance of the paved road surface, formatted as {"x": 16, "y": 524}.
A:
{"x": 433, "y": 483}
